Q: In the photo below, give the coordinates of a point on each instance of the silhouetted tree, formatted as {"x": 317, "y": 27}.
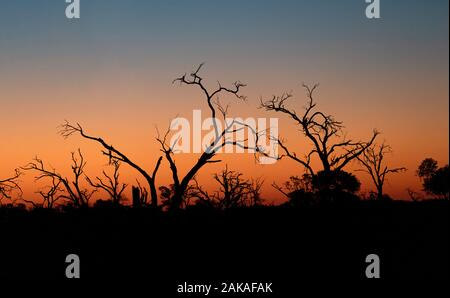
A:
{"x": 323, "y": 187}
{"x": 110, "y": 184}
{"x": 9, "y": 185}
{"x": 373, "y": 161}
{"x": 221, "y": 136}
{"x": 50, "y": 196}
{"x": 435, "y": 180}
{"x": 73, "y": 191}
{"x": 295, "y": 184}
{"x": 66, "y": 130}
{"x": 336, "y": 181}
{"x": 325, "y": 133}
{"x": 234, "y": 191}
{"x": 427, "y": 168}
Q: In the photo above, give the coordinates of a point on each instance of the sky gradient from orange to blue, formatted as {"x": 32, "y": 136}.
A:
{"x": 112, "y": 71}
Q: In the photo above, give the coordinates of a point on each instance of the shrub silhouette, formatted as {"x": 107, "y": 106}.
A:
{"x": 325, "y": 187}
{"x": 435, "y": 180}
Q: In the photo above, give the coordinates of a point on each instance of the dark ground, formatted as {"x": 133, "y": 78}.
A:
{"x": 285, "y": 246}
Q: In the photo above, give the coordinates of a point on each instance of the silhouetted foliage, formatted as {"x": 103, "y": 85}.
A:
{"x": 427, "y": 168}
{"x": 435, "y": 180}
{"x": 337, "y": 181}
{"x": 322, "y": 188}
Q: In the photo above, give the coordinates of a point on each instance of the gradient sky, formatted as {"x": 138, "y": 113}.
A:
{"x": 112, "y": 71}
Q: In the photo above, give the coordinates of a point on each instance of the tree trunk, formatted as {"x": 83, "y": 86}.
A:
{"x": 380, "y": 193}
{"x": 136, "y": 197}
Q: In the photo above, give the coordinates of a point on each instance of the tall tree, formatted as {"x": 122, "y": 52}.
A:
{"x": 326, "y": 134}
{"x": 221, "y": 136}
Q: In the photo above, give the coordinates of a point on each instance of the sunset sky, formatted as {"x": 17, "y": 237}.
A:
{"x": 112, "y": 71}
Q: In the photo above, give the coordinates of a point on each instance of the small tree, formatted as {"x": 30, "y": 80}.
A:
{"x": 74, "y": 193}
{"x": 234, "y": 191}
{"x": 373, "y": 161}
{"x": 110, "y": 184}
{"x": 50, "y": 196}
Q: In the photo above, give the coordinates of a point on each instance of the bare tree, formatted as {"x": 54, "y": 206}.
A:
{"x": 110, "y": 184}
{"x": 10, "y": 185}
{"x": 254, "y": 192}
{"x": 73, "y": 191}
{"x": 325, "y": 133}
{"x": 66, "y": 130}
{"x": 373, "y": 161}
{"x": 221, "y": 136}
{"x": 234, "y": 191}
{"x": 50, "y": 196}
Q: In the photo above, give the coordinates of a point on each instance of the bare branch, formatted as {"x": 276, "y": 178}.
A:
{"x": 111, "y": 185}
{"x": 322, "y": 130}
{"x": 113, "y": 154}
{"x": 10, "y": 185}
{"x": 372, "y": 159}
{"x": 73, "y": 192}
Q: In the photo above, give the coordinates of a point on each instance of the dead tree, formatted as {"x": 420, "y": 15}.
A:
{"x": 49, "y": 196}
{"x": 254, "y": 192}
{"x": 9, "y": 185}
{"x": 73, "y": 191}
{"x": 234, "y": 191}
{"x": 221, "y": 136}
{"x": 373, "y": 161}
{"x": 325, "y": 133}
{"x": 66, "y": 130}
{"x": 139, "y": 195}
{"x": 110, "y": 184}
